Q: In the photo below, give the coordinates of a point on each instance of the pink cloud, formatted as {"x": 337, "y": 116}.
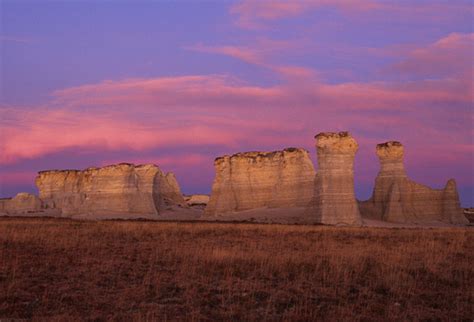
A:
{"x": 226, "y": 114}
{"x": 42, "y": 132}
{"x": 260, "y": 55}
{"x": 252, "y": 14}
{"x": 245, "y": 54}
{"x": 17, "y": 177}
{"x": 451, "y": 55}
{"x": 256, "y": 14}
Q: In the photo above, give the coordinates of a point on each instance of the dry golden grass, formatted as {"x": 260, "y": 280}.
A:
{"x": 53, "y": 269}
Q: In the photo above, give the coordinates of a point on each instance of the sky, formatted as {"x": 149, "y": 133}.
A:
{"x": 179, "y": 83}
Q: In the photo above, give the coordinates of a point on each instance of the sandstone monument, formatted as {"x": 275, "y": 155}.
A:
{"x": 116, "y": 189}
{"x": 253, "y": 180}
{"x": 334, "y": 201}
{"x": 396, "y": 198}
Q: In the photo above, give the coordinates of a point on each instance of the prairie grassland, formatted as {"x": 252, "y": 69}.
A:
{"x": 52, "y": 269}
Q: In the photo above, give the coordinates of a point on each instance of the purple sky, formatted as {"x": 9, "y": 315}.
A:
{"x": 90, "y": 83}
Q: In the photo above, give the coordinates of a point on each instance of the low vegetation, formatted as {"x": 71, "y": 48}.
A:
{"x": 52, "y": 269}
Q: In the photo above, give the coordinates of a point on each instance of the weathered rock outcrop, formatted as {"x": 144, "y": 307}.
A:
{"x": 22, "y": 203}
{"x": 197, "y": 200}
{"x": 254, "y": 180}
{"x": 116, "y": 189}
{"x": 396, "y": 198}
{"x": 334, "y": 201}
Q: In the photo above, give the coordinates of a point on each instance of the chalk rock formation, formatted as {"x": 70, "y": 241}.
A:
{"x": 334, "y": 201}
{"x": 116, "y": 189}
{"x": 396, "y": 198}
{"x": 22, "y": 203}
{"x": 254, "y": 180}
{"x": 197, "y": 200}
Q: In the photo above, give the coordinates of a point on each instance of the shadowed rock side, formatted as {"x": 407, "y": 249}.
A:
{"x": 22, "y": 203}
{"x": 334, "y": 201}
{"x": 170, "y": 192}
{"x": 396, "y": 198}
{"x": 116, "y": 189}
{"x": 254, "y": 180}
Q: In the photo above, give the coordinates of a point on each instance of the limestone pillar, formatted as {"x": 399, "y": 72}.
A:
{"x": 334, "y": 201}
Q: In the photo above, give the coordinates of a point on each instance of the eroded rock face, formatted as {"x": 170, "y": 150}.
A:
{"x": 334, "y": 201}
{"x": 122, "y": 189}
{"x": 396, "y": 198}
{"x": 254, "y": 180}
{"x": 170, "y": 191}
{"x": 22, "y": 203}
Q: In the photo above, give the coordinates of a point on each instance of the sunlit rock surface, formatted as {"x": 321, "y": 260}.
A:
{"x": 254, "y": 180}
{"x": 398, "y": 199}
{"x": 334, "y": 201}
{"x": 116, "y": 189}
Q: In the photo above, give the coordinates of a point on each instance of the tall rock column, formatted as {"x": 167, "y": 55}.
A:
{"x": 391, "y": 178}
{"x": 334, "y": 201}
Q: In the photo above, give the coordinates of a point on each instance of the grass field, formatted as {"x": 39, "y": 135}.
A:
{"x": 56, "y": 269}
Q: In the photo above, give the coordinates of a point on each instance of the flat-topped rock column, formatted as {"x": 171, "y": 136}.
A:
{"x": 391, "y": 159}
{"x": 389, "y": 182}
{"x": 334, "y": 201}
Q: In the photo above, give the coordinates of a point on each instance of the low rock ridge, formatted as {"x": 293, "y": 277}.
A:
{"x": 252, "y": 180}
